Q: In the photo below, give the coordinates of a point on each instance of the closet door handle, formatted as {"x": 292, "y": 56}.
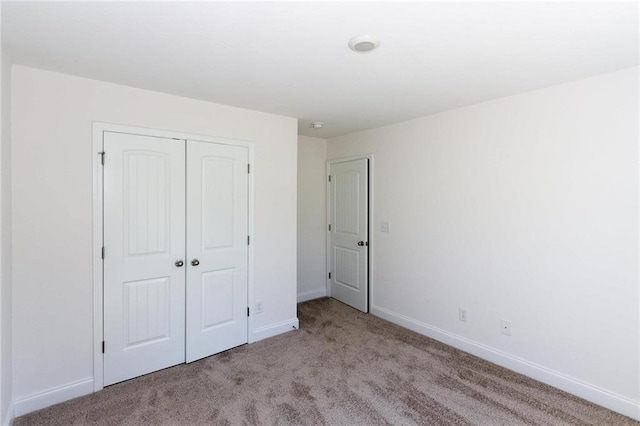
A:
{"x": 179, "y": 263}
{"x": 195, "y": 262}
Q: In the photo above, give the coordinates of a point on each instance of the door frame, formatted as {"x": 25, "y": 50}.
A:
{"x": 370, "y": 210}
{"x": 98, "y": 225}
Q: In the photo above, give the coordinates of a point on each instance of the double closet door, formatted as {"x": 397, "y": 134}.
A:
{"x": 175, "y": 252}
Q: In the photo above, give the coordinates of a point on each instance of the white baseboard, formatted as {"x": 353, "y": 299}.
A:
{"x": 612, "y": 401}
{"x": 52, "y": 396}
{"x": 312, "y": 294}
{"x": 274, "y": 329}
{"x": 8, "y": 418}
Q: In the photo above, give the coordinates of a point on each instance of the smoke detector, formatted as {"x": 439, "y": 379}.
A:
{"x": 364, "y": 43}
{"x": 316, "y": 125}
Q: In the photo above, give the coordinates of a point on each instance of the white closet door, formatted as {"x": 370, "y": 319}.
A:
{"x": 217, "y": 252}
{"x": 349, "y": 233}
{"x": 144, "y": 222}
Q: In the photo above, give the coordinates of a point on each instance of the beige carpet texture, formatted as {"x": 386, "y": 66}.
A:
{"x": 342, "y": 367}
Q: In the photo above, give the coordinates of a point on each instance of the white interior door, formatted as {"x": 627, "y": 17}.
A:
{"x": 144, "y": 287}
{"x": 217, "y": 252}
{"x": 348, "y": 235}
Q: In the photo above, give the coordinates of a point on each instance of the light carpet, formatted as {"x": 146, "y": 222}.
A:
{"x": 342, "y": 367}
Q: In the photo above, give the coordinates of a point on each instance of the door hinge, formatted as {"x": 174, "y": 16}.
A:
{"x": 329, "y": 275}
{"x": 329, "y": 227}
{"x": 329, "y": 178}
{"x": 248, "y": 311}
{"x": 248, "y": 240}
{"x": 248, "y": 168}
{"x": 103, "y": 252}
{"x": 101, "y": 158}
{"x": 103, "y": 346}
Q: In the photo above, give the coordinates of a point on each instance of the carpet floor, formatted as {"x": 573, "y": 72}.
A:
{"x": 341, "y": 368}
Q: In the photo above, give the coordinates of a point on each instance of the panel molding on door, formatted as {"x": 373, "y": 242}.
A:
{"x": 217, "y": 251}
{"x": 348, "y": 236}
{"x": 144, "y": 290}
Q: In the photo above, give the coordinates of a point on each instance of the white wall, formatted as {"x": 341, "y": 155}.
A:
{"x": 6, "y": 409}
{"x": 52, "y": 213}
{"x": 526, "y": 209}
{"x": 312, "y": 176}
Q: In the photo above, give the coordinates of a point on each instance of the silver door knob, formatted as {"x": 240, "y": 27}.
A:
{"x": 195, "y": 262}
{"x": 360, "y": 243}
{"x": 179, "y": 263}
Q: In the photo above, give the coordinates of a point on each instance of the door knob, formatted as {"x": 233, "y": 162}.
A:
{"x": 195, "y": 262}
{"x": 360, "y": 243}
{"x": 179, "y": 263}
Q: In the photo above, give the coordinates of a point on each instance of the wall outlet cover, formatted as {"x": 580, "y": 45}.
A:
{"x": 462, "y": 314}
{"x": 505, "y": 327}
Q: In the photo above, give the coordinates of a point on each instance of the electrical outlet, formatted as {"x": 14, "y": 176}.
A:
{"x": 259, "y": 307}
{"x": 462, "y": 314}
{"x": 385, "y": 227}
{"x": 505, "y": 327}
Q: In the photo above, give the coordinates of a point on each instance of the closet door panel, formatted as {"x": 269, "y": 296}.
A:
{"x": 144, "y": 222}
{"x": 217, "y": 248}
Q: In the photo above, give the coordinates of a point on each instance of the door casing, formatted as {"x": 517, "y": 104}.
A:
{"x": 371, "y": 241}
{"x": 97, "y": 233}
